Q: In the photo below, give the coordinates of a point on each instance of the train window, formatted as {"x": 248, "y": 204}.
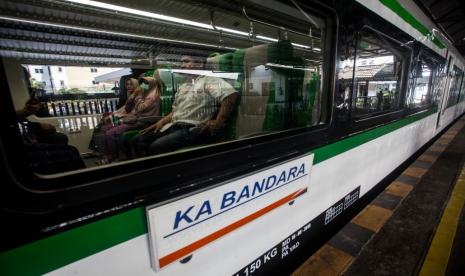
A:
{"x": 421, "y": 90}
{"x": 379, "y": 64}
{"x": 345, "y": 76}
{"x": 454, "y": 87}
{"x": 206, "y": 75}
{"x": 67, "y": 91}
{"x": 462, "y": 90}
{"x": 424, "y": 76}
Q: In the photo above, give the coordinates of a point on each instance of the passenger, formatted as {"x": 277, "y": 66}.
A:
{"x": 112, "y": 117}
{"x": 146, "y": 104}
{"x": 201, "y": 108}
{"x": 123, "y": 93}
{"x": 47, "y": 151}
{"x": 130, "y": 85}
{"x": 379, "y": 97}
{"x": 38, "y": 132}
{"x": 387, "y": 98}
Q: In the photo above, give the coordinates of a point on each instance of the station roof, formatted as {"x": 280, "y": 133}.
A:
{"x": 449, "y": 15}
{"x": 57, "y": 31}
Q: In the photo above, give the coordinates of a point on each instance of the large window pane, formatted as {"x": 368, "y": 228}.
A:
{"x": 420, "y": 89}
{"x": 454, "y": 86}
{"x": 378, "y": 73}
{"x": 206, "y": 75}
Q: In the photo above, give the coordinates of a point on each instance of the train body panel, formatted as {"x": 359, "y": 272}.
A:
{"x": 335, "y": 118}
{"x": 327, "y": 186}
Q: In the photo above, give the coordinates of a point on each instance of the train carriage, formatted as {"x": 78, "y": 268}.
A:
{"x": 333, "y": 100}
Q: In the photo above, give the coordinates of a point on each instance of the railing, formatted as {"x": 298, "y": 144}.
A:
{"x": 73, "y": 124}
{"x": 368, "y": 104}
{"x": 81, "y": 107}
{"x": 79, "y": 104}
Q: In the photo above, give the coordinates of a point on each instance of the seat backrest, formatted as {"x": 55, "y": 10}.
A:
{"x": 165, "y": 77}
{"x": 225, "y": 63}
{"x": 220, "y": 62}
{"x": 263, "y": 88}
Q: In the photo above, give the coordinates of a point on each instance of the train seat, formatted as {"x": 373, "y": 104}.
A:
{"x": 259, "y": 107}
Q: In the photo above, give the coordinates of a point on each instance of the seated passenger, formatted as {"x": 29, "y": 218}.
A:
{"x": 123, "y": 94}
{"x": 146, "y": 102}
{"x": 37, "y": 132}
{"x": 201, "y": 107}
{"x": 130, "y": 85}
{"x": 109, "y": 118}
{"x": 47, "y": 151}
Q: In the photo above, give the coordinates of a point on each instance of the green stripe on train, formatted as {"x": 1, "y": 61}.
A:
{"x": 64, "y": 248}
{"x": 331, "y": 150}
{"x": 396, "y": 7}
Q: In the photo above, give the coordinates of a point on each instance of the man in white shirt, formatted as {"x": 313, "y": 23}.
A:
{"x": 201, "y": 107}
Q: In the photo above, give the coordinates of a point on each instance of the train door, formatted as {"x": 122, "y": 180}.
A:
{"x": 459, "y": 108}
{"x": 444, "y": 95}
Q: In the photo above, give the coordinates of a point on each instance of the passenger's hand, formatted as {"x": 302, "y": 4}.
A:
{"x": 31, "y": 107}
{"x": 212, "y": 127}
{"x": 47, "y": 128}
{"x": 153, "y": 128}
{"x": 138, "y": 93}
{"x": 106, "y": 119}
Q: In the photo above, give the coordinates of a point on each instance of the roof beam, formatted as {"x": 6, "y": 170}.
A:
{"x": 447, "y": 13}
{"x": 74, "y": 42}
{"x": 449, "y": 19}
{"x": 63, "y": 53}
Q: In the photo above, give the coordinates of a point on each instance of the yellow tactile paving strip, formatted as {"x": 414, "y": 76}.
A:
{"x": 330, "y": 260}
{"x": 439, "y": 252}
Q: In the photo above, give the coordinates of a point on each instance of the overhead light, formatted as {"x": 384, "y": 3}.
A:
{"x": 232, "y": 31}
{"x": 174, "y": 19}
{"x": 109, "y": 32}
{"x": 269, "y": 64}
{"x": 155, "y": 16}
{"x": 141, "y": 13}
{"x": 224, "y": 75}
{"x": 267, "y": 38}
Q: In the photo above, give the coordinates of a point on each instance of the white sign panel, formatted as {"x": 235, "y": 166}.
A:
{"x": 181, "y": 227}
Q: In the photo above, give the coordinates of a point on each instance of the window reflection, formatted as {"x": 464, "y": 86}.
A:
{"x": 186, "y": 81}
{"x": 378, "y": 71}
{"x": 420, "y": 91}
{"x": 454, "y": 87}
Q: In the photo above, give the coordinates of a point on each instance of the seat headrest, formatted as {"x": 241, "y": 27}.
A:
{"x": 220, "y": 63}
{"x": 277, "y": 52}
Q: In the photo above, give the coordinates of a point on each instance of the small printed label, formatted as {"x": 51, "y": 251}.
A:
{"x": 335, "y": 210}
{"x": 276, "y": 254}
{"x": 268, "y": 262}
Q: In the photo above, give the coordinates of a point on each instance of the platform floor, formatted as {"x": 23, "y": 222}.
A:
{"x": 416, "y": 226}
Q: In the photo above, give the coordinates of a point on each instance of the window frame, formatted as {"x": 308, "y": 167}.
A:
{"x": 68, "y": 195}
{"x": 359, "y": 123}
{"x": 434, "y": 61}
{"x": 455, "y": 87}
{"x": 462, "y": 89}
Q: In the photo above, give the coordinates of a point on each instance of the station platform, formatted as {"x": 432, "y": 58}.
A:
{"x": 416, "y": 226}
